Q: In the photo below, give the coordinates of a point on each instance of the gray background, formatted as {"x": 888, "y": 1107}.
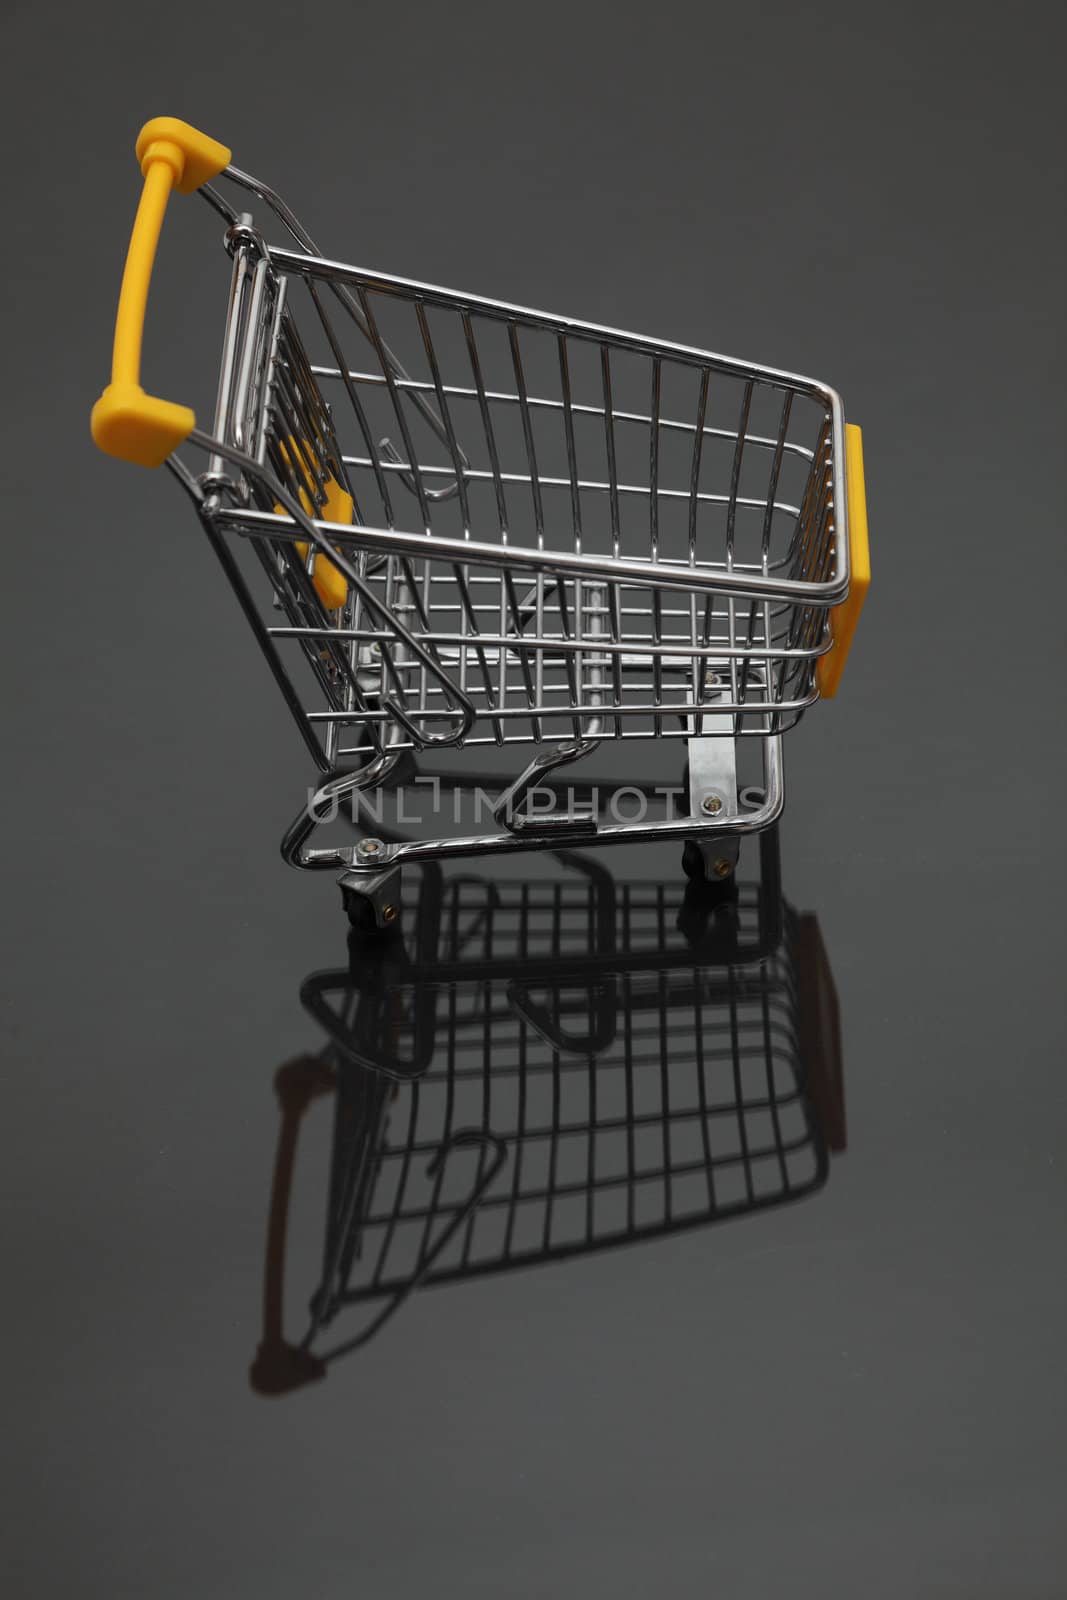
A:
{"x": 861, "y": 1395}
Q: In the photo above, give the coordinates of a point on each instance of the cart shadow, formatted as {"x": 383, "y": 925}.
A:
{"x": 534, "y": 1069}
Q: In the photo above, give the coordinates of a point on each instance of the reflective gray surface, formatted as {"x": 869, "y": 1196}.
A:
{"x": 858, "y": 1394}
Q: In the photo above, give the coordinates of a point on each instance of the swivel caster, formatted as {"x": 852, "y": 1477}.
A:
{"x": 711, "y": 865}
{"x": 371, "y": 899}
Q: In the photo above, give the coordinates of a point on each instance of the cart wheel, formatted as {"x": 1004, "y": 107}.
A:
{"x": 692, "y": 862}
{"x": 363, "y": 918}
{"x": 695, "y": 867}
{"x": 360, "y": 914}
{"x": 709, "y": 913}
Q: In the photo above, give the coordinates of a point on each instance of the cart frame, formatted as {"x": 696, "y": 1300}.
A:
{"x": 415, "y": 636}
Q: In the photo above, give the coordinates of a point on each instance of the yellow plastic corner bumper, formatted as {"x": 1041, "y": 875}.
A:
{"x": 844, "y": 617}
{"x": 331, "y": 585}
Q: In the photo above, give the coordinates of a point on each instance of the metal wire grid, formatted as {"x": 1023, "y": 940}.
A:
{"x": 532, "y": 1136}
{"x": 531, "y": 436}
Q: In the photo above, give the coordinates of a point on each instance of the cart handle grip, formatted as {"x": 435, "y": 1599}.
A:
{"x": 844, "y": 617}
{"x": 127, "y": 422}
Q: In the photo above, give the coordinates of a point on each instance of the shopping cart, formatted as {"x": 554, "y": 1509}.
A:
{"x": 454, "y": 522}
{"x": 539, "y": 1068}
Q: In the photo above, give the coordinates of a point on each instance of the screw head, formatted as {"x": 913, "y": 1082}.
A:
{"x": 389, "y": 913}
{"x": 368, "y": 849}
{"x": 711, "y": 804}
{"x": 722, "y": 868}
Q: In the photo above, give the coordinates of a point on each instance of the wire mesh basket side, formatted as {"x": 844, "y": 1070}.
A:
{"x": 506, "y": 443}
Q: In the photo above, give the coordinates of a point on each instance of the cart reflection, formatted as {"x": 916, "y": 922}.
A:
{"x": 536, "y": 1068}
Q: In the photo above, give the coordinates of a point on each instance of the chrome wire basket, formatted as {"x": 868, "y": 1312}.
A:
{"x": 451, "y": 521}
{"x": 541, "y": 1068}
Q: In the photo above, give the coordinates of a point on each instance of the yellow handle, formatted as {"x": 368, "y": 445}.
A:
{"x": 126, "y": 422}
{"x": 843, "y": 618}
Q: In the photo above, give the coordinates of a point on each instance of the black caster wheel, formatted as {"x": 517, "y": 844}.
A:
{"x": 360, "y": 914}
{"x": 693, "y": 862}
{"x": 363, "y": 918}
{"x": 720, "y": 873}
{"x": 707, "y": 916}
{"x": 706, "y": 891}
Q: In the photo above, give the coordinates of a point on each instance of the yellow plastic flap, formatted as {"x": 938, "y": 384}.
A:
{"x": 331, "y": 585}
{"x": 844, "y": 617}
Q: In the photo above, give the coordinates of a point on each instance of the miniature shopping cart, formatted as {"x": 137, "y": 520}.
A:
{"x": 544, "y": 1067}
{"x": 454, "y": 522}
